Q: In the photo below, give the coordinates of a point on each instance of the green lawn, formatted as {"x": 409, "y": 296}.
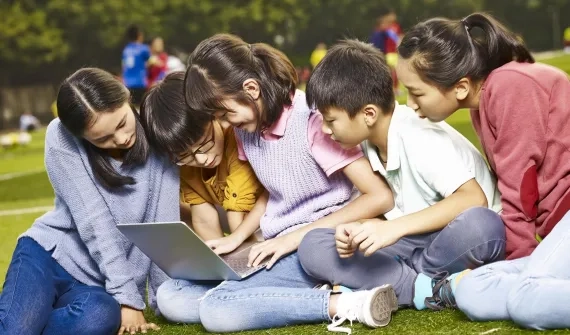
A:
{"x": 33, "y": 190}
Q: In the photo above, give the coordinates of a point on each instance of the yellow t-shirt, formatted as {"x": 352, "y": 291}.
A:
{"x": 233, "y": 184}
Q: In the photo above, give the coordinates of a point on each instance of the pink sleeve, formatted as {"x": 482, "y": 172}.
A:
{"x": 241, "y": 153}
{"x": 330, "y": 156}
{"x": 520, "y": 107}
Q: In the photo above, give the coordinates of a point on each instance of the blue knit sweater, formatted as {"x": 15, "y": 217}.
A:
{"x": 81, "y": 231}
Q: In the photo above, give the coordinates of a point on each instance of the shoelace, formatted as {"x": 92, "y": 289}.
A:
{"x": 336, "y": 322}
{"x": 350, "y": 314}
{"x": 442, "y": 294}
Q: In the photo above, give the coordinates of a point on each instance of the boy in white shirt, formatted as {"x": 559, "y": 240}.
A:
{"x": 446, "y": 200}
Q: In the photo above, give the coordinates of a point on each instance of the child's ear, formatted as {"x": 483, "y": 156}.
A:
{"x": 371, "y": 113}
{"x": 251, "y": 87}
{"x": 462, "y": 88}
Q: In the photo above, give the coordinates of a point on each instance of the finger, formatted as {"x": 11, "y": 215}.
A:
{"x": 342, "y": 245}
{"x": 133, "y": 330}
{"x": 347, "y": 229}
{"x": 260, "y": 257}
{"x": 259, "y": 246}
{"x": 276, "y": 256}
{"x": 153, "y": 326}
{"x": 357, "y": 239}
{"x": 353, "y": 233}
{"x": 253, "y": 253}
{"x": 366, "y": 244}
{"x": 342, "y": 238}
{"x": 121, "y": 330}
{"x": 220, "y": 250}
{"x": 143, "y": 328}
{"x": 347, "y": 255}
{"x": 212, "y": 243}
{"x": 339, "y": 232}
{"x": 372, "y": 249}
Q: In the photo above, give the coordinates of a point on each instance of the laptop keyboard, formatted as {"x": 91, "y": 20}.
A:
{"x": 239, "y": 265}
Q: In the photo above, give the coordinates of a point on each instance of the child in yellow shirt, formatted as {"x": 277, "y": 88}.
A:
{"x": 211, "y": 174}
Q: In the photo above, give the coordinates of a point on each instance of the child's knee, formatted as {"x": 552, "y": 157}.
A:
{"x": 168, "y": 300}
{"x": 483, "y": 229}
{"x": 484, "y": 222}
{"x": 218, "y": 319}
{"x": 469, "y": 298}
{"x": 523, "y": 305}
{"x": 315, "y": 249}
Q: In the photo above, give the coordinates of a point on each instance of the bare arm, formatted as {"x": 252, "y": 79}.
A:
{"x": 375, "y": 199}
{"x": 206, "y": 221}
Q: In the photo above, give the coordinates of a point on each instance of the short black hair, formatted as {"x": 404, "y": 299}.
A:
{"x": 170, "y": 125}
{"x": 133, "y": 32}
{"x": 350, "y": 76}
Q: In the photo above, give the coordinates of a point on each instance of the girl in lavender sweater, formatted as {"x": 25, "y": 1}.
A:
{"x": 73, "y": 272}
{"x": 310, "y": 183}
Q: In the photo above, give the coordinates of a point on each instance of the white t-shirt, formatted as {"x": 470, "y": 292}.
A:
{"x": 427, "y": 162}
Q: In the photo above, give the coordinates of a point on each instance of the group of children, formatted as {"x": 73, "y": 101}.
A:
{"x": 385, "y": 202}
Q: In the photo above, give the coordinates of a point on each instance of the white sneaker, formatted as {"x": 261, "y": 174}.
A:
{"x": 372, "y": 307}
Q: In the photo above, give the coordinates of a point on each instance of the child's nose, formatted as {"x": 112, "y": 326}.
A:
{"x": 411, "y": 103}
{"x": 224, "y": 123}
{"x": 201, "y": 158}
{"x": 325, "y": 129}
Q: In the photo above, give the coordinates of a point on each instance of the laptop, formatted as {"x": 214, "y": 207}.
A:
{"x": 182, "y": 254}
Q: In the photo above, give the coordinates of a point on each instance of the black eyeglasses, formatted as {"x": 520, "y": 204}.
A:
{"x": 202, "y": 149}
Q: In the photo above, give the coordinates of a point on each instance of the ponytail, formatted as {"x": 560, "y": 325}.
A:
{"x": 278, "y": 79}
{"x": 443, "y": 51}
{"x": 220, "y": 64}
{"x": 500, "y": 45}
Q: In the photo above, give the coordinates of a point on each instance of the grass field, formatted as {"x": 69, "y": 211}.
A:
{"x": 31, "y": 191}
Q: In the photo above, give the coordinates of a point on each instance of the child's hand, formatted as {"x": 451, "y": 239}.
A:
{"x": 133, "y": 321}
{"x": 278, "y": 247}
{"x": 343, "y": 247}
{"x": 225, "y": 244}
{"x": 375, "y": 234}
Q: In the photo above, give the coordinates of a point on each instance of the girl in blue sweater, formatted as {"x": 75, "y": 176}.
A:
{"x": 73, "y": 272}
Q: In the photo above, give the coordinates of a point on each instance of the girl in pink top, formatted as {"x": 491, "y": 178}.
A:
{"x": 521, "y": 112}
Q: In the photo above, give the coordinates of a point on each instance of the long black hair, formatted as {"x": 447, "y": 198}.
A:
{"x": 442, "y": 51}
{"x": 220, "y": 64}
{"x": 82, "y": 96}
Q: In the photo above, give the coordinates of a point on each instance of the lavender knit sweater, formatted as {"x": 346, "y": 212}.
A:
{"x": 299, "y": 190}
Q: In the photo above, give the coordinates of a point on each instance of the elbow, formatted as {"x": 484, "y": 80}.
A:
{"x": 383, "y": 202}
{"x": 478, "y": 199}
{"x": 481, "y": 200}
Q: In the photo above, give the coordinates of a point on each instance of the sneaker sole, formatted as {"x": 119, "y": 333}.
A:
{"x": 383, "y": 303}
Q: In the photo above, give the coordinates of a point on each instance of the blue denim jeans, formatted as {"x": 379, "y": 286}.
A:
{"x": 278, "y": 297}
{"x": 532, "y": 291}
{"x": 40, "y": 297}
{"x": 474, "y": 238}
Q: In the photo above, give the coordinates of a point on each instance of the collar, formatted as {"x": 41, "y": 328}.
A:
{"x": 371, "y": 150}
{"x": 278, "y": 128}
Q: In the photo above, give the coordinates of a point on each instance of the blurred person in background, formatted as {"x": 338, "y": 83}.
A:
{"x": 158, "y": 61}
{"x": 134, "y": 62}
{"x": 318, "y": 54}
{"x": 28, "y": 122}
{"x": 567, "y": 40}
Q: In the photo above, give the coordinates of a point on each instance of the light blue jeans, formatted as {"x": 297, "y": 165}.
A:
{"x": 533, "y": 291}
{"x": 278, "y": 297}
